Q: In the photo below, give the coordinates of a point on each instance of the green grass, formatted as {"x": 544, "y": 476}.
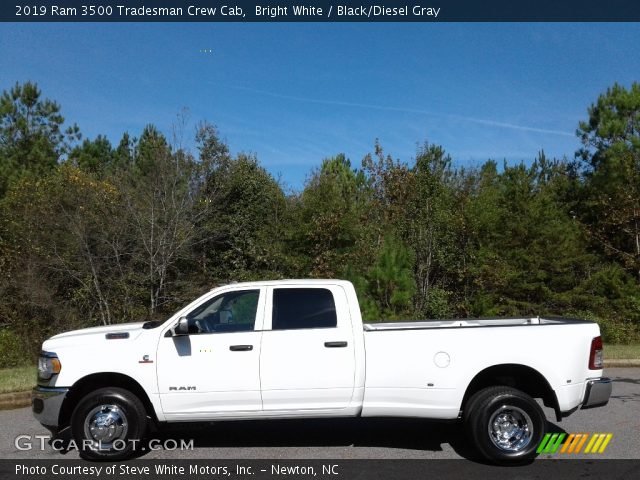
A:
{"x": 17, "y": 379}
{"x": 625, "y": 352}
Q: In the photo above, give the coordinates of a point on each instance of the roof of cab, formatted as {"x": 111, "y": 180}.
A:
{"x": 290, "y": 281}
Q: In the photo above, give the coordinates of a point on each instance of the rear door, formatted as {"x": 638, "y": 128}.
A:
{"x": 307, "y": 359}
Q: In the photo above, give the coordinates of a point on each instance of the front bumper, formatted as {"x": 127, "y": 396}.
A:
{"x": 597, "y": 393}
{"x": 46, "y": 403}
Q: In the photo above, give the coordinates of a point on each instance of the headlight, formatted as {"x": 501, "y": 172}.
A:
{"x": 48, "y": 365}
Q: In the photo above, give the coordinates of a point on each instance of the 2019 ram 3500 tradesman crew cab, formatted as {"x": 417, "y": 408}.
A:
{"x": 298, "y": 348}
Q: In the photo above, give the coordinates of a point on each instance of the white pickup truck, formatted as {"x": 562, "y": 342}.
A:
{"x": 299, "y": 348}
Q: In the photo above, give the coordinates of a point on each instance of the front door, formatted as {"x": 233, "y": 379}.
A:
{"x": 215, "y": 369}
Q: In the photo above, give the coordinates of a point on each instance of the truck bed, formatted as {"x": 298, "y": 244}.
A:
{"x": 470, "y": 322}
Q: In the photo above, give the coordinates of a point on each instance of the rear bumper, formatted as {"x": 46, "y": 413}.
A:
{"x": 597, "y": 392}
{"x": 46, "y": 404}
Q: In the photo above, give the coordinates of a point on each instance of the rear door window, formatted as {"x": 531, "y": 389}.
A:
{"x": 295, "y": 308}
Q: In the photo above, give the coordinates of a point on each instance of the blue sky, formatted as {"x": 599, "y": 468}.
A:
{"x": 294, "y": 94}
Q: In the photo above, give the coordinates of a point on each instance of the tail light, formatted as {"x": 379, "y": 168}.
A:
{"x": 595, "y": 356}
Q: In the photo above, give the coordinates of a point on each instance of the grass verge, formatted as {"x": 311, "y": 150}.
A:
{"x": 625, "y": 352}
{"x": 17, "y": 379}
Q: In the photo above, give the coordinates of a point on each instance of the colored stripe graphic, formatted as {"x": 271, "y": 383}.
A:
{"x": 598, "y": 442}
{"x": 573, "y": 442}
{"x": 551, "y": 442}
{"x": 577, "y": 443}
{"x": 606, "y": 442}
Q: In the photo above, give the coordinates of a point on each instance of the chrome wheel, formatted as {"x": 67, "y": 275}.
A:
{"x": 510, "y": 428}
{"x": 105, "y": 425}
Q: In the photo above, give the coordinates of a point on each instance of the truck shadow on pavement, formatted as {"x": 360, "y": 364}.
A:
{"x": 633, "y": 381}
{"x": 395, "y": 433}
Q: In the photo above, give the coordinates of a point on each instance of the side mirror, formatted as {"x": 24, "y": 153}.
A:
{"x": 182, "y": 327}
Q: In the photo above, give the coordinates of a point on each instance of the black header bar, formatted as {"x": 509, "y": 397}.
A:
{"x": 320, "y": 11}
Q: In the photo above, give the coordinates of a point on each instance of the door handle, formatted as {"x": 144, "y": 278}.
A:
{"x": 335, "y": 344}
{"x": 240, "y": 348}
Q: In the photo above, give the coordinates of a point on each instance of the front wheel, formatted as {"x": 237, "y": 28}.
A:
{"x": 108, "y": 424}
{"x": 505, "y": 424}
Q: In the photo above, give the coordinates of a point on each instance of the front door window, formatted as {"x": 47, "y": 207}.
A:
{"x": 229, "y": 312}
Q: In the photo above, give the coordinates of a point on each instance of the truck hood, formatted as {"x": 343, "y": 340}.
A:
{"x": 93, "y": 334}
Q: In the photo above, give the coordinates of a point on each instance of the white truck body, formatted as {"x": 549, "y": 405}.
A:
{"x": 346, "y": 368}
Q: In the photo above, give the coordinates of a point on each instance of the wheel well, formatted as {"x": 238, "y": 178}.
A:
{"x": 516, "y": 376}
{"x": 102, "y": 380}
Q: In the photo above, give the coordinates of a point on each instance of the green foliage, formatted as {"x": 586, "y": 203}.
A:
{"x": 123, "y": 154}
{"x": 329, "y": 215}
{"x": 94, "y": 156}
{"x": 613, "y": 330}
{"x": 390, "y": 280}
{"x": 430, "y": 225}
{"x": 613, "y": 126}
{"x": 12, "y": 351}
{"x": 248, "y": 215}
{"x": 609, "y": 197}
{"x": 60, "y": 250}
{"x": 368, "y": 306}
{"x": 531, "y": 253}
{"x": 438, "y": 304}
{"x": 31, "y": 133}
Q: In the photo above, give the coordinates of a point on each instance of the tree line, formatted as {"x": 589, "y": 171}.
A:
{"x": 93, "y": 233}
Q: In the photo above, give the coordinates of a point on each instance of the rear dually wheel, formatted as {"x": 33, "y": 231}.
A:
{"x": 505, "y": 425}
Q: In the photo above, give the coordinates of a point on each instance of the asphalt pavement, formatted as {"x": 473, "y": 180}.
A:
{"x": 348, "y": 438}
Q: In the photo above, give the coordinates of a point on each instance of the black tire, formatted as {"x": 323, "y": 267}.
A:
{"x": 469, "y": 407}
{"x": 522, "y": 430}
{"x": 127, "y": 416}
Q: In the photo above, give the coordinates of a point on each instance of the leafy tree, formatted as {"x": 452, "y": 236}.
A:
{"x": 214, "y": 153}
{"x": 429, "y": 228}
{"x": 160, "y": 202}
{"x": 240, "y": 211}
{"x": 94, "y": 156}
{"x": 31, "y": 136}
{"x": 151, "y": 149}
{"x": 331, "y": 209}
{"x": 610, "y": 157}
{"x": 242, "y": 235}
{"x": 61, "y": 256}
{"x": 531, "y": 255}
{"x": 391, "y": 280}
{"x": 390, "y": 182}
{"x": 123, "y": 154}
